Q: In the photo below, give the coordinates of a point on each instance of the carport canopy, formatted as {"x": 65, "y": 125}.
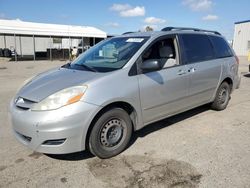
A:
{"x": 19, "y": 27}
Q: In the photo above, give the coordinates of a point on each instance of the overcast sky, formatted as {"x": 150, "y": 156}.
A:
{"x": 116, "y": 17}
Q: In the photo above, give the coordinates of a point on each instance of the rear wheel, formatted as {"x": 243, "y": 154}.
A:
{"x": 111, "y": 133}
{"x": 222, "y": 97}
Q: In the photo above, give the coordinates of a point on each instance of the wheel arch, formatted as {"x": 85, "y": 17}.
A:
{"x": 118, "y": 104}
{"x": 229, "y": 81}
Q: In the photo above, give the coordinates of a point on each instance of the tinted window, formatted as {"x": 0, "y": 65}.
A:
{"x": 197, "y": 48}
{"x": 221, "y": 47}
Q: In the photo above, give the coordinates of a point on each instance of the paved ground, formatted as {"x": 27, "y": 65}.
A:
{"x": 199, "y": 148}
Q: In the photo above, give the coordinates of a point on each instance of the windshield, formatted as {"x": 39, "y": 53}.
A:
{"x": 109, "y": 55}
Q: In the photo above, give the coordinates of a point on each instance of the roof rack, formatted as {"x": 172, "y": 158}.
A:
{"x": 129, "y": 32}
{"x": 189, "y": 28}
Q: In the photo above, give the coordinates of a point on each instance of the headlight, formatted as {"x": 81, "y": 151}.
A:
{"x": 61, "y": 98}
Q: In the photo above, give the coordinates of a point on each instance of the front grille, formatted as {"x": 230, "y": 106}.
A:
{"x": 22, "y": 108}
{"x": 54, "y": 142}
{"x": 24, "y": 137}
{"x": 24, "y": 104}
{"x": 27, "y": 138}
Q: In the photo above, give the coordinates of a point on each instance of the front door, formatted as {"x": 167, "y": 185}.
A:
{"x": 163, "y": 92}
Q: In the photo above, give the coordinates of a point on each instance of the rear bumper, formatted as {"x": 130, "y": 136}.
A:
{"x": 57, "y": 131}
{"x": 237, "y": 81}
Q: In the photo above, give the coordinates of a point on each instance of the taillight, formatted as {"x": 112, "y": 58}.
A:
{"x": 237, "y": 59}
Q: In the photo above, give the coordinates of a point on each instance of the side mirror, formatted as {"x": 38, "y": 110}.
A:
{"x": 150, "y": 65}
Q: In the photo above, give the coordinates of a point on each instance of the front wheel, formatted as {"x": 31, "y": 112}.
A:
{"x": 111, "y": 133}
{"x": 222, "y": 97}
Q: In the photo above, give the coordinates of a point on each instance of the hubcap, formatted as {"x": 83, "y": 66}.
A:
{"x": 223, "y": 95}
{"x": 112, "y": 133}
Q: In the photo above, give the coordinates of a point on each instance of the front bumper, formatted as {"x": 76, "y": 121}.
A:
{"x": 57, "y": 131}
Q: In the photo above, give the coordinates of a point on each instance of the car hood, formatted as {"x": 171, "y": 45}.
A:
{"x": 54, "y": 80}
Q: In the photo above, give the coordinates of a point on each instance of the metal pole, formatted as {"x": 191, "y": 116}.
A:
{"x": 50, "y": 50}
{"x": 34, "y": 48}
{"x": 63, "y": 49}
{"x": 15, "y": 47}
{"x": 82, "y": 44}
{"x": 20, "y": 42}
{"x": 4, "y": 41}
{"x": 69, "y": 48}
{"x": 93, "y": 41}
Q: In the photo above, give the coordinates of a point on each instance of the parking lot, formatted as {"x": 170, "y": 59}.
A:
{"x": 198, "y": 148}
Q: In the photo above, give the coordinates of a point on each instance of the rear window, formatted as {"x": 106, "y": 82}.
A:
{"x": 197, "y": 48}
{"x": 221, "y": 47}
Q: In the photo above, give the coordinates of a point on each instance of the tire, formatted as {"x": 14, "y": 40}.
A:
{"x": 222, "y": 97}
{"x": 111, "y": 133}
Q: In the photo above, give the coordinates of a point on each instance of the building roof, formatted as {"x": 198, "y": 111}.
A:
{"x": 43, "y": 29}
{"x": 240, "y": 22}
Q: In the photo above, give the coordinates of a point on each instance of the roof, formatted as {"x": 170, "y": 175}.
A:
{"x": 240, "y": 22}
{"x": 160, "y": 33}
{"x": 43, "y": 29}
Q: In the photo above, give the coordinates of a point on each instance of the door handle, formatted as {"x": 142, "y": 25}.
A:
{"x": 192, "y": 69}
{"x": 181, "y": 72}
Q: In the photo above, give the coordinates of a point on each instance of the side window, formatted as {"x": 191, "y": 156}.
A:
{"x": 221, "y": 47}
{"x": 163, "y": 51}
{"x": 197, "y": 48}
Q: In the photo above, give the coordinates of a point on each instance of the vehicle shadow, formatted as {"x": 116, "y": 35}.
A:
{"x": 166, "y": 122}
{"x": 247, "y": 75}
{"x": 82, "y": 155}
{"x": 141, "y": 133}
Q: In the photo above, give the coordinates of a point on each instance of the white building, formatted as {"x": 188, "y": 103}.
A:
{"x": 241, "y": 42}
{"x": 46, "y": 41}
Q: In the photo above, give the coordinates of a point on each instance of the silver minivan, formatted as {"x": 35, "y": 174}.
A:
{"x": 121, "y": 85}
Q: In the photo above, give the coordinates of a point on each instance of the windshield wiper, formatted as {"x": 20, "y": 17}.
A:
{"x": 66, "y": 65}
{"x": 87, "y": 67}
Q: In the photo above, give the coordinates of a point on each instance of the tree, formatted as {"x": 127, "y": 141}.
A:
{"x": 148, "y": 28}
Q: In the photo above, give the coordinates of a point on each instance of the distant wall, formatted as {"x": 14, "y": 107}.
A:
{"x": 241, "y": 43}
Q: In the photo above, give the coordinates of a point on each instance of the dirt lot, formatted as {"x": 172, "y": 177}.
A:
{"x": 198, "y": 148}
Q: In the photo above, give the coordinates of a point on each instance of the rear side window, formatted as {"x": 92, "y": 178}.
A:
{"x": 221, "y": 47}
{"x": 197, "y": 48}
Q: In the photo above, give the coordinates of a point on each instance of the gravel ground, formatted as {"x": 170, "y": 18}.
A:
{"x": 198, "y": 148}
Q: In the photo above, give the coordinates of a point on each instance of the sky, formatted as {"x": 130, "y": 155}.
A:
{"x": 116, "y": 17}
